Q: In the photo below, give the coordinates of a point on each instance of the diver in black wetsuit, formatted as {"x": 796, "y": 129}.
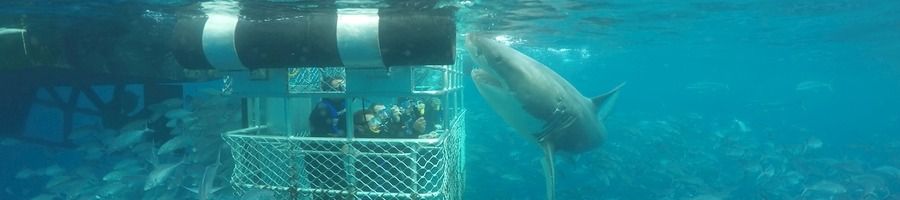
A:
{"x": 325, "y": 171}
{"x": 327, "y": 118}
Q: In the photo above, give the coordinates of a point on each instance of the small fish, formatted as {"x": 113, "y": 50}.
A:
{"x": 166, "y": 105}
{"x": 176, "y": 143}
{"x": 793, "y": 177}
{"x": 813, "y": 143}
{"x": 706, "y": 87}
{"x": 813, "y": 86}
{"x": 173, "y": 102}
{"x": 827, "y": 187}
{"x": 767, "y": 173}
{"x": 884, "y": 169}
{"x": 53, "y": 170}
{"x": 56, "y": 180}
{"x": 172, "y": 123}
{"x": 118, "y": 175}
{"x": 141, "y": 147}
{"x": 136, "y": 124}
{"x": 25, "y": 173}
{"x": 128, "y": 138}
{"x": 207, "y": 183}
{"x": 160, "y": 173}
{"x": 86, "y": 132}
{"x": 867, "y": 180}
{"x": 92, "y": 152}
{"x": 741, "y": 126}
{"x": 178, "y": 113}
{"x": 127, "y": 163}
{"x": 111, "y": 189}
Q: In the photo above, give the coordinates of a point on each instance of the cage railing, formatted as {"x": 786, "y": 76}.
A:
{"x": 357, "y": 168}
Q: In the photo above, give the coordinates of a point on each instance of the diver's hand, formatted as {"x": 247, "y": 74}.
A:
{"x": 339, "y": 133}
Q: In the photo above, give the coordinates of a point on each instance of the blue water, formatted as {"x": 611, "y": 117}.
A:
{"x": 713, "y": 107}
{"x": 761, "y": 50}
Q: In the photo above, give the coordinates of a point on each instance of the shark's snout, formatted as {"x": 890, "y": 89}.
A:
{"x": 485, "y": 51}
{"x": 479, "y": 45}
{"x": 473, "y": 45}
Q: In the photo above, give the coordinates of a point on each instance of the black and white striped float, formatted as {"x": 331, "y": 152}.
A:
{"x": 319, "y": 38}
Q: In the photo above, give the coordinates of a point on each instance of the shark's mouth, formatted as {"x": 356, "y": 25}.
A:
{"x": 484, "y": 77}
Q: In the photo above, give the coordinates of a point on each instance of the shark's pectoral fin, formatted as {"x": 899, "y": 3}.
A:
{"x": 556, "y": 124}
{"x": 549, "y": 169}
{"x": 604, "y": 103}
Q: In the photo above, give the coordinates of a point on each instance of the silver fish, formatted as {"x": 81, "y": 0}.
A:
{"x": 127, "y": 138}
{"x": 207, "y": 183}
{"x": 176, "y": 143}
{"x": 160, "y": 173}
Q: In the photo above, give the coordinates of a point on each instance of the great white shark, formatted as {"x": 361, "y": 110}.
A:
{"x": 537, "y": 102}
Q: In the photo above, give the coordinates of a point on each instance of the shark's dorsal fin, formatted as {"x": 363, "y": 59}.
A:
{"x": 549, "y": 169}
{"x": 604, "y": 103}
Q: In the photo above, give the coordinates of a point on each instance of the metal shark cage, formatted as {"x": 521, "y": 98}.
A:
{"x": 276, "y": 151}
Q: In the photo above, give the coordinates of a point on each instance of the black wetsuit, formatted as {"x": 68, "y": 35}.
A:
{"x": 323, "y": 117}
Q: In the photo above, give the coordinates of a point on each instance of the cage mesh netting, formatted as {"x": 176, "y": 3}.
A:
{"x": 338, "y": 168}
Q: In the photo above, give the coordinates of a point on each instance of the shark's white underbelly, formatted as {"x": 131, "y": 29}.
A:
{"x": 511, "y": 109}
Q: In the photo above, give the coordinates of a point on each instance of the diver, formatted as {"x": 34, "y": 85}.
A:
{"x": 416, "y": 121}
{"x": 328, "y": 117}
{"x": 393, "y": 119}
{"x": 378, "y": 122}
{"x": 364, "y": 124}
{"x": 420, "y": 118}
{"x": 434, "y": 114}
